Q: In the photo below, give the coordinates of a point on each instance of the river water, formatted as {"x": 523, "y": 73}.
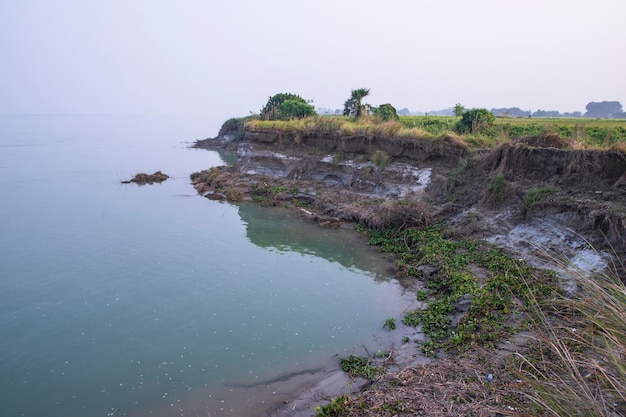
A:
{"x": 150, "y": 300}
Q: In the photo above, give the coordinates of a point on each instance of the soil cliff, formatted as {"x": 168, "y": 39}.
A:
{"x": 482, "y": 194}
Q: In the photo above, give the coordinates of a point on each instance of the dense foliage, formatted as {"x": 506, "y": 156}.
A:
{"x": 475, "y": 121}
{"x": 603, "y": 109}
{"x": 385, "y": 112}
{"x": 285, "y": 106}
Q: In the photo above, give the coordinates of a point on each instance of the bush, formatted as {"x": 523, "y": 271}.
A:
{"x": 284, "y": 106}
{"x": 386, "y": 112}
{"x": 475, "y": 121}
{"x": 295, "y": 109}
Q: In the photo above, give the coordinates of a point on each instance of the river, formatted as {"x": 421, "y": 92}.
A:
{"x": 118, "y": 299}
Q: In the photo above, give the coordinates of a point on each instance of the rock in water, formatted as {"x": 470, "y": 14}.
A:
{"x": 143, "y": 178}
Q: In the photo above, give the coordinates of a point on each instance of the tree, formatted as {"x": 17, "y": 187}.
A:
{"x": 386, "y": 112}
{"x": 295, "y": 109}
{"x": 546, "y": 113}
{"x": 354, "y": 106}
{"x": 510, "y": 112}
{"x": 475, "y": 121}
{"x": 298, "y": 105}
{"x": 459, "y": 109}
{"x": 603, "y": 109}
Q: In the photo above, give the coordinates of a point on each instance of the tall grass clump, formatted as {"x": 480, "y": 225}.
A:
{"x": 577, "y": 365}
{"x": 371, "y": 127}
{"x": 380, "y": 159}
{"x": 414, "y": 133}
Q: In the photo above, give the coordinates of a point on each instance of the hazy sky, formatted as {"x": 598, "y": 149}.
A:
{"x": 225, "y": 57}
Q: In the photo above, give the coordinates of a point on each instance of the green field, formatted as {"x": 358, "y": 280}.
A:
{"x": 585, "y": 133}
{"x": 576, "y": 133}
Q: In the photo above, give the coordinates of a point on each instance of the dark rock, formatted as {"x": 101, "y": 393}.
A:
{"x": 463, "y": 304}
{"x": 427, "y": 271}
{"x": 143, "y": 178}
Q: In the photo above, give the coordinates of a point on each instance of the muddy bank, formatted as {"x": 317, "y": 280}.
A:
{"x": 425, "y": 181}
{"x": 532, "y": 200}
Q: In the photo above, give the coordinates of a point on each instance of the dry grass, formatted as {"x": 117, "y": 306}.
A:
{"x": 453, "y": 386}
{"x": 375, "y": 213}
{"x": 365, "y": 126}
{"x": 578, "y": 364}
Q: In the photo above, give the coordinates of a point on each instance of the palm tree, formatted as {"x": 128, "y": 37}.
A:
{"x": 354, "y": 106}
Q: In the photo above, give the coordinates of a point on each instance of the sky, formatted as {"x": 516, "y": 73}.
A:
{"x": 226, "y": 57}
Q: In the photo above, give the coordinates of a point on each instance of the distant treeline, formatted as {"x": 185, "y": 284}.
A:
{"x": 595, "y": 110}
{"x": 603, "y": 110}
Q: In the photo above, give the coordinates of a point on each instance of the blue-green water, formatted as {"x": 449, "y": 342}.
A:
{"x": 127, "y": 300}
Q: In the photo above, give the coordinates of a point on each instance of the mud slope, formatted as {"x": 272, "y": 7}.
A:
{"x": 578, "y": 195}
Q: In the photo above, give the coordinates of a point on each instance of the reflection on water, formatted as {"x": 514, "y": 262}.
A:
{"x": 275, "y": 229}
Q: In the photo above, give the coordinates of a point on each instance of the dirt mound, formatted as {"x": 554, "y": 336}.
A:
{"x": 543, "y": 141}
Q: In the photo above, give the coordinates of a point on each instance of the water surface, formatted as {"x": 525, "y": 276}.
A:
{"x": 150, "y": 300}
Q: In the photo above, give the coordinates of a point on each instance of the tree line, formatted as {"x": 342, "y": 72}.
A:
{"x": 287, "y": 106}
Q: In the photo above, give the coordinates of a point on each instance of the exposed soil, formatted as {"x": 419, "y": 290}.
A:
{"x": 530, "y": 197}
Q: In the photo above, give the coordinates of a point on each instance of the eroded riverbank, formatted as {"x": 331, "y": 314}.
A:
{"x": 528, "y": 200}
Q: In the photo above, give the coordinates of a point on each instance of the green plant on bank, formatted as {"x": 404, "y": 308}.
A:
{"x": 577, "y": 364}
{"x": 359, "y": 366}
{"x": 380, "y": 159}
{"x": 301, "y": 203}
{"x": 262, "y": 200}
{"x": 277, "y": 190}
{"x": 338, "y": 157}
{"x": 503, "y": 292}
{"x": 390, "y": 323}
{"x": 534, "y": 196}
{"x": 422, "y": 295}
{"x": 338, "y": 407}
{"x": 381, "y": 354}
{"x": 497, "y": 189}
{"x": 393, "y": 408}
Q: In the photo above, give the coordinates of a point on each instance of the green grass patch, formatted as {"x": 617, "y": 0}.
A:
{"x": 360, "y": 366}
{"x": 534, "y": 196}
{"x": 506, "y": 286}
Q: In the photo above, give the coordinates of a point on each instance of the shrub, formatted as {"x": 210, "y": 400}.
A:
{"x": 475, "y": 121}
{"x": 295, "y": 109}
{"x": 386, "y": 112}
{"x": 286, "y": 106}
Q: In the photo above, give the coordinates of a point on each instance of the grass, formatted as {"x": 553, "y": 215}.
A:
{"x": 380, "y": 159}
{"x": 578, "y": 362}
{"x": 500, "y": 293}
{"x": 575, "y": 364}
{"x": 576, "y": 133}
{"x": 534, "y": 196}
